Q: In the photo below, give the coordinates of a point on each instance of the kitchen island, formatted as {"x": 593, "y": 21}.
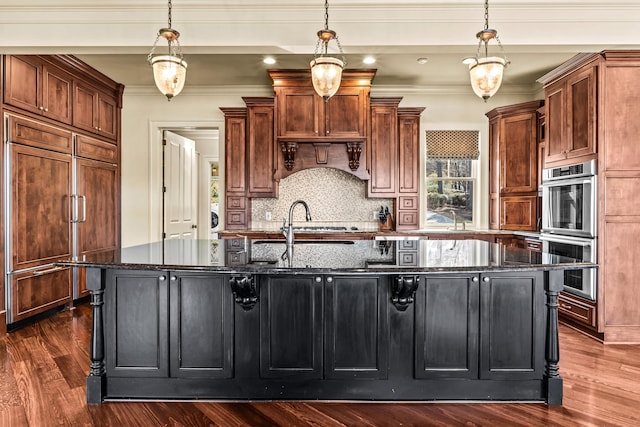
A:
{"x": 346, "y": 319}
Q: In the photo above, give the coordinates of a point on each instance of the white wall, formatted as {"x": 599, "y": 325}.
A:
{"x": 145, "y": 109}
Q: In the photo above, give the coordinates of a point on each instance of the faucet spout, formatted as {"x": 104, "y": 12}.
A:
{"x": 455, "y": 219}
{"x": 287, "y": 230}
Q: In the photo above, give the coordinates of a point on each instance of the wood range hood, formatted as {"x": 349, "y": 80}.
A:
{"x": 312, "y": 133}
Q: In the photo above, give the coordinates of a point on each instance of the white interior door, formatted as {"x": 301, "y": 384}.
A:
{"x": 180, "y": 187}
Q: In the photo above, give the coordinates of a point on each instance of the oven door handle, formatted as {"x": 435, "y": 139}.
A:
{"x": 570, "y": 181}
{"x": 567, "y": 239}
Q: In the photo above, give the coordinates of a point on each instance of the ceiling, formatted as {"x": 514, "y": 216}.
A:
{"x": 224, "y": 42}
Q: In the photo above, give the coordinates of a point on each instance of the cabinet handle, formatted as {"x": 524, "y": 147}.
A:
{"x": 84, "y": 209}
{"x": 174, "y": 278}
{"x": 318, "y": 279}
{"x": 329, "y": 279}
{"x": 162, "y": 278}
{"x": 46, "y": 109}
{"x": 485, "y": 279}
{"x": 566, "y": 306}
{"x": 40, "y": 108}
{"x": 474, "y": 279}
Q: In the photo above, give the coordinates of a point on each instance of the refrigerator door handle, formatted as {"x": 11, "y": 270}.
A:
{"x": 84, "y": 209}
{"x": 47, "y": 271}
{"x": 74, "y": 208}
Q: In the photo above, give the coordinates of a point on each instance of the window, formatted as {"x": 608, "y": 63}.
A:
{"x": 450, "y": 186}
{"x": 451, "y": 177}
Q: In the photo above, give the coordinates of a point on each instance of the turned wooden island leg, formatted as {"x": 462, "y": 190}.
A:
{"x": 96, "y": 381}
{"x": 553, "y": 285}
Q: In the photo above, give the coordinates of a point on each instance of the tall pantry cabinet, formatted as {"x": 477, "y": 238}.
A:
{"x": 61, "y": 189}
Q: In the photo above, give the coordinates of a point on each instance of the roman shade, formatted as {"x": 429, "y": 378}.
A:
{"x": 452, "y": 145}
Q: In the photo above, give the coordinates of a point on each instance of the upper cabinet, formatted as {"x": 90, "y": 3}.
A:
{"x": 570, "y": 104}
{"x": 32, "y": 84}
{"x": 513, "y": 166}
{"x": 260, "y": 148}
{"x": 301, "y": 113}
{"x": 95, "y": 111}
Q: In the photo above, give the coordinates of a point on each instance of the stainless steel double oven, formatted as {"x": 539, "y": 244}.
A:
{"x": 569, "y": 225}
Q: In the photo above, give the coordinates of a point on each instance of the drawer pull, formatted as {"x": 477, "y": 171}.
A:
{"x": 566, "y": 306}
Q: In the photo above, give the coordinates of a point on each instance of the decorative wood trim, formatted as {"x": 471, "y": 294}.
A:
{"x": 244, "y": 291}
{"x": 403, "y": 291}
{"x": 289, "y": 149}
{"x": 554, "y": 283}
{"x": 354, "y": 149}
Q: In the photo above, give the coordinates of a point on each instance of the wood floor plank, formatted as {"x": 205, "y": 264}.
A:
{"x": 43, "y": 369}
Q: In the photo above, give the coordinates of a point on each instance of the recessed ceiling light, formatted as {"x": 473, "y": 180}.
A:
{"x": 422, "y": 61}
{"x": 369, "y": 60}
{"x": 269, "y": 60}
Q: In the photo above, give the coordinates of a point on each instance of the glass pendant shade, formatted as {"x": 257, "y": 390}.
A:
{"x": 326, "y": 74}
{"x": 169, "y": 73}
{"x": 486, "y": 75}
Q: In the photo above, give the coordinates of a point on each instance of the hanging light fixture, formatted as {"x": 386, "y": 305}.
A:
{"x": 169, "y": 71}
{"x": 486, "y": 72}
{"x": 326, "y": 71}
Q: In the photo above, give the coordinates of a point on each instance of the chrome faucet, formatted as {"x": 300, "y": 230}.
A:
{"x": 287, "y": 230}
{"x": 455, "y": 219}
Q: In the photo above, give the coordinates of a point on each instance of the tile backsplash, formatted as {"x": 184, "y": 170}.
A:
{"x": 334, "y": 197}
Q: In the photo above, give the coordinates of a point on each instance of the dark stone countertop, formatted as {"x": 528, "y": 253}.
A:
{"x": 326, "y": 256}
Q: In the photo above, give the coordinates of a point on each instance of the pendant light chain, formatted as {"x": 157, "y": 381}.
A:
{"x": 170, "y": 6}
{"x": 326, "y": 14}
{"x": 486, "y": 14}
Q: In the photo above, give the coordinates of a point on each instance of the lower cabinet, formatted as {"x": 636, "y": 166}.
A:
{"x": 148, "y": 337}
{"x": 324, "y": 326}
{"x": 447, "y": 327}
{"x": 37, "y": 291}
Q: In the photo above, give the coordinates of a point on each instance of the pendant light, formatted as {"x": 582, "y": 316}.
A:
{"x": 486, "y": 72}
{"x": 169, "y": 71}
{"x": 326, "y": 71}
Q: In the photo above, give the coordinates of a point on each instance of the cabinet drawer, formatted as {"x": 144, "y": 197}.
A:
{"x": 408, "y": 218}
{"x": 407, "y": 244}
{"x": 37, "y": 291}
{"x": 235, "y": 202}
{"x": 236, "y": 258}
{"x": 34, "y": 134}
{"x": 408, "y": 259}
{"x": 533, "y": 245}
{"x": 234, "y": 244}
{"x": 407, "y": 202}
{"x": 95, "y": 149}
{"x": 580, "y": 310}
{"x": 237, "y": 218}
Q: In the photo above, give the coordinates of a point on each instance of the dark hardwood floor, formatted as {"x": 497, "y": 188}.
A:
{"x": 43, "y": 368}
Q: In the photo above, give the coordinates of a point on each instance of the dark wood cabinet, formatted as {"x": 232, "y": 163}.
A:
{"x": 201, "y": 327}
{"x": 571, "y": 117}
{"x": 512, "y": 331}
{"x": 384, "y": 147}
{"x": 40, "y": 207}
{"x": 95, "y": 111}
{"x": 356, "y": 325}
{"x": 260, "y": 148}
{"x": 513, "y": 167}
{"x": 302, "y": 113}
{"x": 137, "y": 323}
{"x": 408, "y": 202}
{"x": 63, "y": 185}
{"x": 237, "y": 206}
{"x": 32, "y": 84}
{"x": 447, "y": 327}
{"x": 291, "y": 326}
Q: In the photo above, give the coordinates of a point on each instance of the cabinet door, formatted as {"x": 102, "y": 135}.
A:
{"x": 356, "y": 327}
{"x": 494, "y": 174}
{"x": 581, "y": 113}
{"x": 299, "y": 112}
{"x": 235, "y": 181}
{"x": 107, "y": 116}
{"x": 555, "y": 105}
{"x": 409, "y": 154}
{"x": 344, "y": 113}
{"x": 512, "y": 331}
{"x": 22, "y": 82}
{"x": 201, "y": 326}
{"x": 137, "y": 324}
{"x": 291, "y": 327}
{"x": 519, "y": 213}
{"x": 56, "y": 94}
{"x": 384, "y": 151}
{"x": 85, "y": 107}
{"x": 518, "y": 153}
{"x": 36, "y": 291}
{"x": 260, "y": 152}
{"x": 98, "y": 206}
{"x": 40, "y": 206}
{"x": 447, "y": 327}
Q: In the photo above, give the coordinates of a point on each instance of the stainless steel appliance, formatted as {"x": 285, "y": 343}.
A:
{"x": 578, "y": 282}
{"x": 569, "y": 225}
{"x": 569, "y": 200}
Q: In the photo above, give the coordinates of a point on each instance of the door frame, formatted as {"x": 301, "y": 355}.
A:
{"x": 156, "y": 201}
